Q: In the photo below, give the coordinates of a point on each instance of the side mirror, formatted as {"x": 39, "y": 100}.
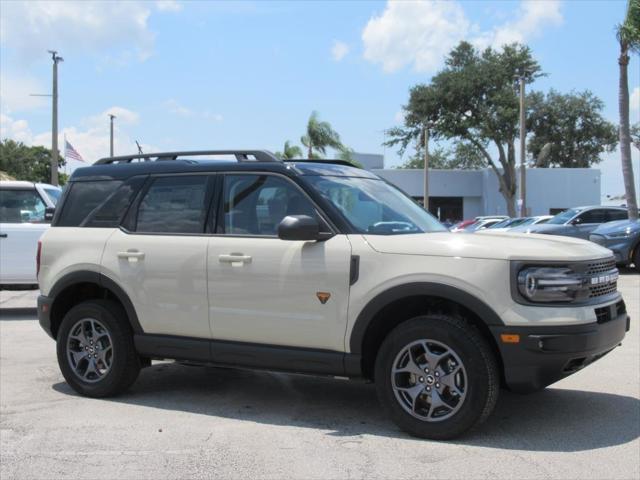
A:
{"x": 48, "y": 213}
{"x": 301, "y": 228}
{"x": 576, "y": 221}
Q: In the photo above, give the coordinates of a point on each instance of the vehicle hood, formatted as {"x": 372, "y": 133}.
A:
{"x": 619, "y": 225}
{"x": 489, "y": 245}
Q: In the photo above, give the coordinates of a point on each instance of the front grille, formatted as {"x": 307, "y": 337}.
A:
{"x": 601, "y": 266}
{"x": 600, "y": 290}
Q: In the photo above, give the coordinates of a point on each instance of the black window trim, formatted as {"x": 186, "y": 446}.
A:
{"x": 129, "y": 223}
{"x": 220, "y": 204}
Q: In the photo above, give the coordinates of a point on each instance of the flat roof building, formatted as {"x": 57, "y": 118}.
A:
{"x": 458, "y": 194}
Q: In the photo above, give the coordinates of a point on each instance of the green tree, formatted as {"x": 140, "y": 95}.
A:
{"x": 28, "y": 163}
{"x": 319, "y": 136}
{"x": 473, "y": 100}
{"x": 628, "y": 33}
{"x": 463, "y": 156}
{"x": 289, "y": 151}
{"x": 568, "y": 130}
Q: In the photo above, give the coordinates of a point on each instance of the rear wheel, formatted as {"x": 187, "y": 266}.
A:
{"x": 95, "y": 349}
{"x": 436, "y": 376}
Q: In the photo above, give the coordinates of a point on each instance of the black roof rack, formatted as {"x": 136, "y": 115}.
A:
{"x": 329, "y": 161}
{"x": 241, "y": 156}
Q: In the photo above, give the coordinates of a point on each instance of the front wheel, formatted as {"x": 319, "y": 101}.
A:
{"x": 636, "y": 258}
{"x": 95, "y": 349}
{"x": 436, "y": 376}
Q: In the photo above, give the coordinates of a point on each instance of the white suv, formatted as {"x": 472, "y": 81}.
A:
{"x": 25, "y": 212}
{"x": 318, "y": 268}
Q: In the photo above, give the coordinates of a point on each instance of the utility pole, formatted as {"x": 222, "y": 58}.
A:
{"x": 425, "y": 202}
{"x": 111, "y": 117}
{"x": 523, "y": 153}
{"x": 54, "y": 121}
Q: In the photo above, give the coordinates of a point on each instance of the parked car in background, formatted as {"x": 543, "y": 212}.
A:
{"x": 622, "y": 238}
{"x": 482, "y": 224}
{"x": 26, "y": 209}
{"x": 508, "y": 223}
{"x": 579, "y": 222}
{"x": 520, "y": 224}
{"x": 460, "y": 226}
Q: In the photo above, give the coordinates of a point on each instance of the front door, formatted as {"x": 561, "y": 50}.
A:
{"x": 162, "y": 262}
{"x": 266, "y": 290}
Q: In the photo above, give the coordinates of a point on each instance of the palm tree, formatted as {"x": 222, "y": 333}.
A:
{"x": 289, "y": 151}
{"x": 628, "y": 34}
{"x": 319, "y": 136}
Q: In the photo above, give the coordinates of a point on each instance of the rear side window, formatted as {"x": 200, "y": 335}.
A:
{"x": 110, "y": 213}
{"x": 617, "y": 215}
{"x": 82, "y": 199}
{"x": 174, "y": 205}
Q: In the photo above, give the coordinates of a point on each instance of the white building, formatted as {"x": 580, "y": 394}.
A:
{"x": 458, "y": 194}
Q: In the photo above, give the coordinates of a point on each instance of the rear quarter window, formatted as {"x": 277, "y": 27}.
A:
{"x": 82, "y": 199}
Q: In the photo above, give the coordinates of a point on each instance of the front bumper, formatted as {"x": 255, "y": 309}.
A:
{"x": 44, "y": 314}
{"x": 621, "y": 247}
{"x": 547, "y": 354}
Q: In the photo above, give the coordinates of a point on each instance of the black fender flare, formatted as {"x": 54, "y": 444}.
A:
{"x": 87, "y": 276}
{"x": 447, "y": 292}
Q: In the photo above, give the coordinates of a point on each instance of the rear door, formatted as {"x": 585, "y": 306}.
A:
{"x": 21, "y": 226}
{"x": 160, "y": 260}
{"x": 270, "y": 291}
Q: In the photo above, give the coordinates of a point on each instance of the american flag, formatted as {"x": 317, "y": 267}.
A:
{"x": 70, "y": 152}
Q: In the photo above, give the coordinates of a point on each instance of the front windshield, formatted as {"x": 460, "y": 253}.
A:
{"x": 564, "y": 217}
{"x": 53, "y": 194}
{"x": 374, "y": 206}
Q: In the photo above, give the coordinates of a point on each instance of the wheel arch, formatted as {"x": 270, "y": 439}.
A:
{"x": 79, "y": 286}
{"x": 407, "y": 301}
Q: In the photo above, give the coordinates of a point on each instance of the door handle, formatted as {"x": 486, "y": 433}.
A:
{"x": 131, "y": 255}
{"x": 3, "y": 235}
{"x": 235, "y": 259}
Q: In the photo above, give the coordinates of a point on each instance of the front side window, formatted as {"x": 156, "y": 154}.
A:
{"x": 21, "y": 206}
{"x": 593, "y": 216}
{"x": 174, "y": 205}
{"x": 256, "y": 204}
{"x": 374, "y": 206}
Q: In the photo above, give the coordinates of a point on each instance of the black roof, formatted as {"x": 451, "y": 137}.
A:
{"x": 118, "y": 168}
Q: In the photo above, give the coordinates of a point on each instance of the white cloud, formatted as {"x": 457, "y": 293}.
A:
{"x": 339, "y": 50}
{"x": 634, "y": 100}
{"x": 168, "y": 5}
{"x": 422, "y": 32}
{"x": 90, "y": 139}
{"x": 110, "y": 29}
{"x": 15, "y": 93}
{"x": 175, "y": 107}
{"x": 531, "y": 18}
{"x": 418, "y": 33}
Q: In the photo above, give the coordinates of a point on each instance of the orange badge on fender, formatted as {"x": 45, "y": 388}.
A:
{"x": 323, "y": 297}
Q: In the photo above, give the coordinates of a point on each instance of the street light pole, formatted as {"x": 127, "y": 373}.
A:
{"x": 523, "y": 163}
{"x": 425, "y": 201}
{"x": 111, "y": 117}
{"x": 54, "y": 120}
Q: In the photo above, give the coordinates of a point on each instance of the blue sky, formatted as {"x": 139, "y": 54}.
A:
{"x": 197, "y": 75}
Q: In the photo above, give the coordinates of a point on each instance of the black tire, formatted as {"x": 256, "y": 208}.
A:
{"x": 481, "y": 373}
{"x": 636, "y": 258}
{"x": 125, "y": 363}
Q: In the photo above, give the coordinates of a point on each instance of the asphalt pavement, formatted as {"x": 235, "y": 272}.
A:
{"x": 199, "y": 422}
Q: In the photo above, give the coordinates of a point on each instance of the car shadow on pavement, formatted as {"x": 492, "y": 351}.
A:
{"x": 552, "y": 420}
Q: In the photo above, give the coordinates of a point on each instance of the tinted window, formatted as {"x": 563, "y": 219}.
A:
{"x": 21, "y": 206}
{"x": 593, "y": 216}
{"x": 174, "y": 205}
{"x": 564, "y": 217}
{"x": 256, "y": 204}
{"x": 617, "y": 215}
{"x": 82, "y": 199}
{"x": 110, "y": 213}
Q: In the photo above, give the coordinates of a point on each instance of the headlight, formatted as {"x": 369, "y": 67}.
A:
{"x": 621, "y": 234}
{"x": 552, "y": 284}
